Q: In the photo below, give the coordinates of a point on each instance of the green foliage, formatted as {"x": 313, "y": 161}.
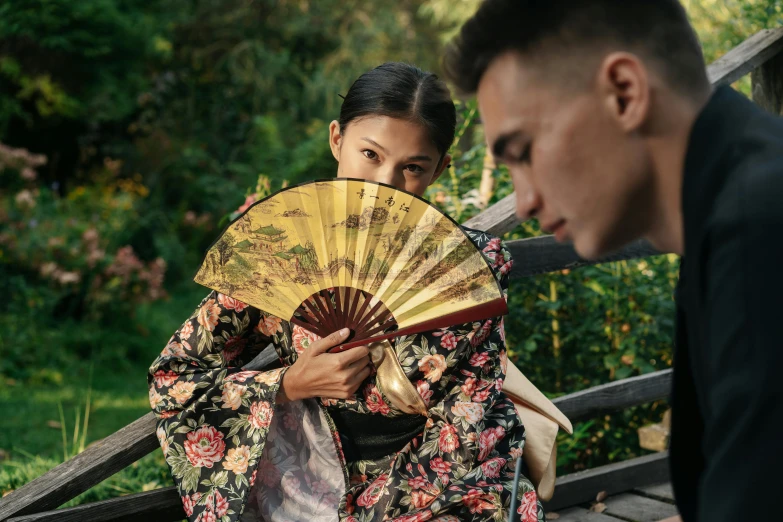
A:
{"x": 724, "y": 24}
{"x": 147, "y": 474}
{"x": 82, "y": 59}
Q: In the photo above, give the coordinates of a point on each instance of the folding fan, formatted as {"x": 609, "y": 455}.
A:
{"x": 351, "y": 253}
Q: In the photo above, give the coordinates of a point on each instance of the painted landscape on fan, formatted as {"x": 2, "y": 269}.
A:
{"x": 340, "y": 242}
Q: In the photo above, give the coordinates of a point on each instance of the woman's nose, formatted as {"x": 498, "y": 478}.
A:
{"x": 387, "y": 175}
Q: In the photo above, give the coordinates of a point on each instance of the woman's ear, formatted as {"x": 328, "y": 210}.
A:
{"x": 444, "y": 164}
{"x": 335, "y": 139}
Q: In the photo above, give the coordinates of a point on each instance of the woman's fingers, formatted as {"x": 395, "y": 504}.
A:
{"x": 356, "y": 380}
{"x": 330, "y": 341}
{"x": 348, "y": 357}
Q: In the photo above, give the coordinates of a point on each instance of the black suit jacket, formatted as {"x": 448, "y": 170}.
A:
{"x": 727, "y": 403}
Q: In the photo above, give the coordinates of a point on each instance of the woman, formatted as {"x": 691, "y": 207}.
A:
{"x": 315, "y": 439}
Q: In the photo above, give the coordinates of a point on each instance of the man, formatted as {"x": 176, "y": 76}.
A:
{"x": 605, "y": 117}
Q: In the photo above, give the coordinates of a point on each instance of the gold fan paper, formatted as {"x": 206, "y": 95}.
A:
{"x": 343, "y": 252}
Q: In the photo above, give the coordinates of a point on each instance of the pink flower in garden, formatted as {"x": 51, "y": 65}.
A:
{"x": 249, "y": 200}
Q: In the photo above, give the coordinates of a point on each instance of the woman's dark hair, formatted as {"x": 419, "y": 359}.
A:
{"x": 403, "y": 91}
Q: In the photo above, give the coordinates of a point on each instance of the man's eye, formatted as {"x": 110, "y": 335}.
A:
{"x": 524, "y": 157}
{"x": 416, "y": 169}
{"x": 370, "y": 154}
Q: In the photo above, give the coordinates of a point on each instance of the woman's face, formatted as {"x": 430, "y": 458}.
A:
{"x": 387, "y": 150}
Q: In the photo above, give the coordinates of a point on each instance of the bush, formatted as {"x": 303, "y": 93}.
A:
{"x": 73, "y": 246}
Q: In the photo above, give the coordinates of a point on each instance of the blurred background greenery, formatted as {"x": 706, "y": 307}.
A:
{"x": 130, "y": 131}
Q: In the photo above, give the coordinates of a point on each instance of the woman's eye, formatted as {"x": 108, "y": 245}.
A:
{"x": 416, "y": 169}
{"x": 369, "y": 154}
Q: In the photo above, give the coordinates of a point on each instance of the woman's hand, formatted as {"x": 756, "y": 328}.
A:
{"x": 317, "y": 373}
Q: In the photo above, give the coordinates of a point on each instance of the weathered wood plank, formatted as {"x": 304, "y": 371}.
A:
{"x": 497, "y": 219}
{"x": 581, "y": 487}
{"x": 616, "y": 395}
{"x": 639, "y": 509}
{"x": 579, "y": 514}
{"x": 767, "y": 82}
{"x": 160, "y": 505}
{"x": 96, "y": 463}
{"x": 540, "y": 255}
{"x": 662, "y": 492}
{"x": 746, "y": 56}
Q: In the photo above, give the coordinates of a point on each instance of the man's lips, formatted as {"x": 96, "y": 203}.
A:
{"x": 557, "y": 228}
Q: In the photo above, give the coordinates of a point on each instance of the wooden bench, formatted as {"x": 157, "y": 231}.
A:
{"x": 637, "y": 489}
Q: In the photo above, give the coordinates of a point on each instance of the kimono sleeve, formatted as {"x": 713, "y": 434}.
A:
{"x": 213, "y": 417}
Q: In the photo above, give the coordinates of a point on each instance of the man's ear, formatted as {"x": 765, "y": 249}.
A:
{"x": 444, "y": 164}
{"x": 624, "y": 84}
{"x": 335, "y": 139}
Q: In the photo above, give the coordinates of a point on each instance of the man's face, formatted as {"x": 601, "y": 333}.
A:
{"x": 573, "y": 165}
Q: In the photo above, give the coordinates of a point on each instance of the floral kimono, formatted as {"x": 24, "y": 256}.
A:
{"x": 237, "y": 455}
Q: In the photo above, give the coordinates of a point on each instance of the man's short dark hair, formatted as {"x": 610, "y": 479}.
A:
{"x": 554, "y": 30}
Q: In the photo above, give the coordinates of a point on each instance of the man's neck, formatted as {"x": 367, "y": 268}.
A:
{"x": 669, "y": 146}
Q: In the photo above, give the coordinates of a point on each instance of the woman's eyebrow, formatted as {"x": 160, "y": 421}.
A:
{"x": 422, "y": 157}
{"x": 375, "y": 143}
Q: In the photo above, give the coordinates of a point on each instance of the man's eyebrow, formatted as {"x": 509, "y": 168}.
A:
{"x": 373, "y": 142}
{"x": 499, "y": 147}
{"x": 420, "y": 158}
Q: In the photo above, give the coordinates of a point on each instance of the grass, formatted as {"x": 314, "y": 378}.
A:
{"x": 59, "y": 410}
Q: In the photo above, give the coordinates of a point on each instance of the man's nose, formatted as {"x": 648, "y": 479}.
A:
{"x": 528, "y": 200}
